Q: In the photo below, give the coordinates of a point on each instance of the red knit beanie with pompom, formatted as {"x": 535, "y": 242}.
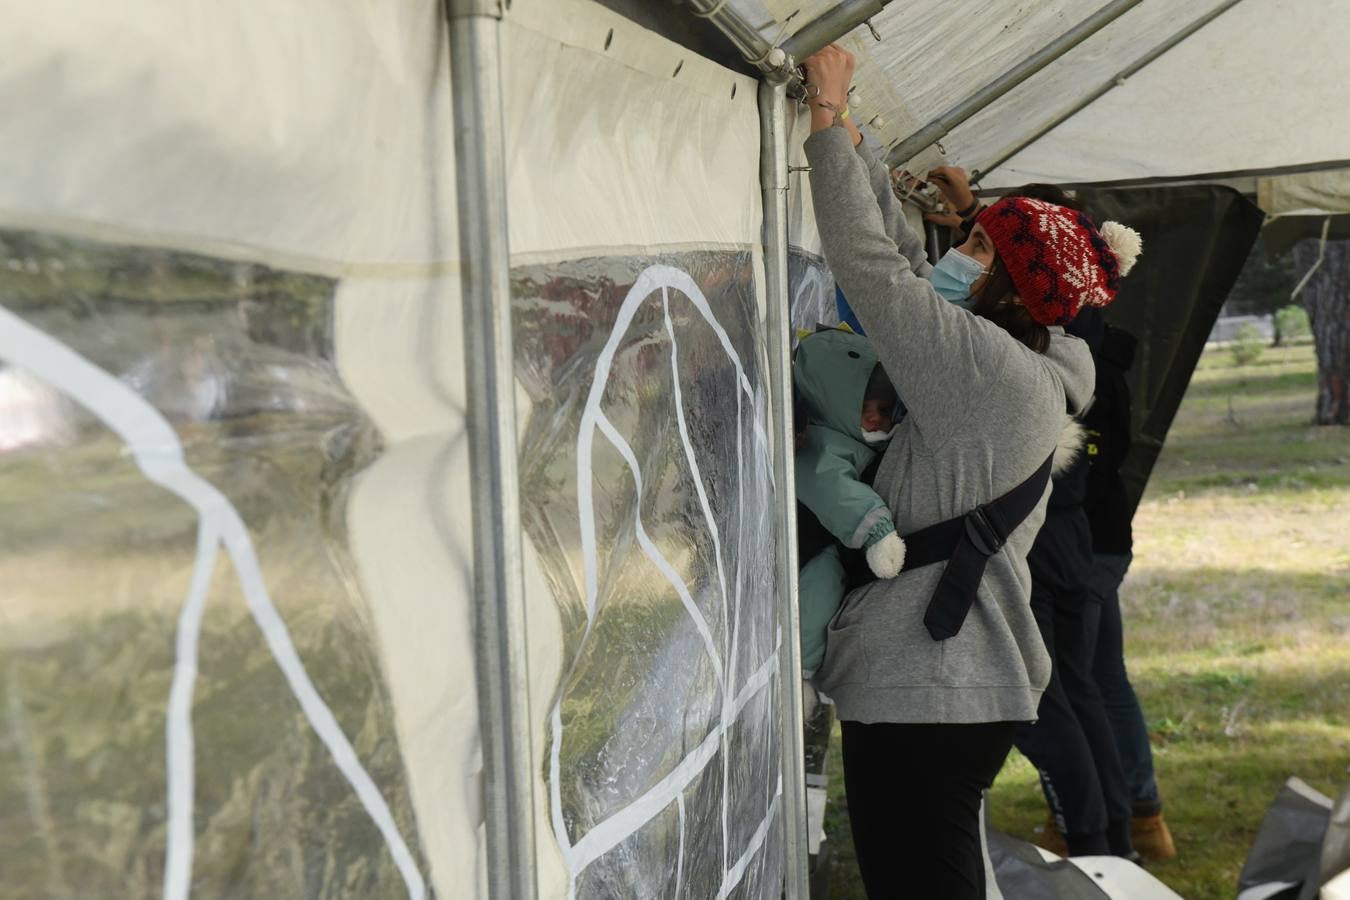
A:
{"x": 1058, "y": 259}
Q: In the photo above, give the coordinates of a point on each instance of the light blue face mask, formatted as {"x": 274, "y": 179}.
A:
{"x": 954, "y": 274}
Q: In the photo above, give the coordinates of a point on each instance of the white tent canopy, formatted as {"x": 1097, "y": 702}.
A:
{"x": 1232, "y": 98}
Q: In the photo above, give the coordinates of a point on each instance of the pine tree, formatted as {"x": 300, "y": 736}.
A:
{"x": 1326, "y": 296}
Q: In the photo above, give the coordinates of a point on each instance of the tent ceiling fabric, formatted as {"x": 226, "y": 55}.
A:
{"x": 1231, "y": 98}
{"x": 1234, "y": 97}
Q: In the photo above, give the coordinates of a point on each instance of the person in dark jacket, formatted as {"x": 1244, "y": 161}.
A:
{"x": 1109, "y": 516}
{"x": 1071, "y": 744}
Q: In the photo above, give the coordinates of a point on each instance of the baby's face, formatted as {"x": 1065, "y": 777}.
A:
{"x": 877, "y": 415}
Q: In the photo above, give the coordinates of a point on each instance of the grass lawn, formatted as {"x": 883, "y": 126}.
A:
{"x": 1237, "y": 617}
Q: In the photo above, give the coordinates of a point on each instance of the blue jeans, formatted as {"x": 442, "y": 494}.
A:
{"x": 1108, "y": 670}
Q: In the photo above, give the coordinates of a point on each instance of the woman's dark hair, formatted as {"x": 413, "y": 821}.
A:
{"x": 994, "y": 299}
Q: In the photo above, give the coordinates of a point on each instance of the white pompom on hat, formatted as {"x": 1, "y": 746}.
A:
{"x": 1124, "y": 242}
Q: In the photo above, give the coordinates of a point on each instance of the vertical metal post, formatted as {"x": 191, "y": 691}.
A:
{"x": 499, "y": 625}
{"x": 773, "y": 176}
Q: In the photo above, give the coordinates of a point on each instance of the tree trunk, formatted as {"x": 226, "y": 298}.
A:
{"x": 1327, "y": 299}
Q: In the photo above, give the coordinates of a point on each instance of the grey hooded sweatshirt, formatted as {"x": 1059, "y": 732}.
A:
{"x": 984, "y": 412}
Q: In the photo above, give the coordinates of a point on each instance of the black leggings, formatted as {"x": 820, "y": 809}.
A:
{"x": 914, "y": 805}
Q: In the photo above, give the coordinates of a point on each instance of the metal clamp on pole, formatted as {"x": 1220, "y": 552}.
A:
{"x": 935, "y": 130}
{"x": 773, "y": 176}
{"x": 831, "y": 26}
{"x": 781, "y": 61}
{"x": 752, "y": 45}
{"x": 499, "y": 613}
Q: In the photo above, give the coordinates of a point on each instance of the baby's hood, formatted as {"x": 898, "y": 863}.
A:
{"x": 831, "y": 370}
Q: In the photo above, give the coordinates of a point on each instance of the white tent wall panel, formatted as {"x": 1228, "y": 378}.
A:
{"x": 197, "y": 111}
{"x": 316, "y": 138}
{"x": 635, "y": 218}
{"x": 605, "y": 145}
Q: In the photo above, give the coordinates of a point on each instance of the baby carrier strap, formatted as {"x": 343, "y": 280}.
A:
{"x": 966, "y": 543}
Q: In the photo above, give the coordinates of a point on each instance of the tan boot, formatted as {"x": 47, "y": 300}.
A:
{"x": 1051, "y": 839}
{"x": 1151, "y": 837}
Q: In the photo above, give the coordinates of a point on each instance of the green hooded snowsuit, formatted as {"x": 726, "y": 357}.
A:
{"x": 831, "y": 371}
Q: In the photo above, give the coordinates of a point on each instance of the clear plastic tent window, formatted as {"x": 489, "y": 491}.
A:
{"x": 648, "y": 497}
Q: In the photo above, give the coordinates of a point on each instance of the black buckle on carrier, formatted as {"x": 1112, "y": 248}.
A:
{"x": 981, "y": 532}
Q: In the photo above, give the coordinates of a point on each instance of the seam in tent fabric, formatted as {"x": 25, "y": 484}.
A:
{"x": 231, "y": 250}
{"x": 159, "y": 455}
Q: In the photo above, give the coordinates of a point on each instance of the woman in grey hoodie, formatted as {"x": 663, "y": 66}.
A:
{"x": 928, "y": 713}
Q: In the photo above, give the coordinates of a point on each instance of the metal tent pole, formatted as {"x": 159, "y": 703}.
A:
{"x": 499, "y": 621}
{"x": 937, "y": 129}
{"x": 781, "y": 61}
{"x": 931, "y": 234}
{"x": 773, "y": 176}
{"x": 745, "y": 36}
{"x": 1105, "y": 87}
{"x": 830, "y": 26}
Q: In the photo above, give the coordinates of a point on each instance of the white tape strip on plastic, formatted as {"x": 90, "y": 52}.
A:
{"x": 737, "y": 872}
{"x": 609, "y": 833}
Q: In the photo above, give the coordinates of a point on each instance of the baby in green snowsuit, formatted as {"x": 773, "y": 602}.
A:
{"x": 851, "y": 409}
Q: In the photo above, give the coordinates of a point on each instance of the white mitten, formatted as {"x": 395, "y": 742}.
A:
{"x": 887, "y": 556}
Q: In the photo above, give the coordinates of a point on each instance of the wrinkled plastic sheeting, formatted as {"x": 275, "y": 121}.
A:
{"x": 118, "y": 592}
{"x": 811, "y": 289}
{"x": 646, "y": 491}
{"x": 1022, "y": 873}
{"x": 1285, "y": 862}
